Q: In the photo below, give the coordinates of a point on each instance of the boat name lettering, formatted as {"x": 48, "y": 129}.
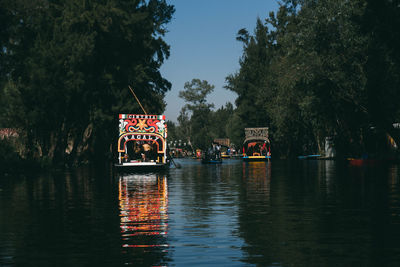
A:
{"x": 144, "y": 137}
{"x": 134, "y": 116}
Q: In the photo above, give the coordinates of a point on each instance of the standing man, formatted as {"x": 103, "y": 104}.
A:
{"x": 146, "y": 149}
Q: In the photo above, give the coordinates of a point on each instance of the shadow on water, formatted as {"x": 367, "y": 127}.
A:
{"x": 320, "y": 213}
{"x": 85, "y": 217}
{"x": 279, "y": 213}
{"x": 58, "y": 219}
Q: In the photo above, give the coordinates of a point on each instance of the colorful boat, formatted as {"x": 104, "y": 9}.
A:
{"x": 142, "y": 142}
{"x": 225, "y": 155}
{"x": 256, "y": 146}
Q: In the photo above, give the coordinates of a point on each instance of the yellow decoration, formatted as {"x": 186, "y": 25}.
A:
{"x": 142, "y": 124}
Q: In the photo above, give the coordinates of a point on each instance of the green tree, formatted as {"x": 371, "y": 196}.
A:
{"x": 69, "y": 64}
{"x": 330, "y": 64}
{"x": 380, "y": 21}
{"x": 219, "y": 121}
{"x": 254, "y": 83}
{"x": 250, "y": 82}
{"x": 327, "y": 68}
{"x": 184, "y": 129}
{"x": 195, "y": 95}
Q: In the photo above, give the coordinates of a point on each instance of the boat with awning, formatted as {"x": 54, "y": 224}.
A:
{"x": 256, "y": 146}
{"x": 142, "y": 142}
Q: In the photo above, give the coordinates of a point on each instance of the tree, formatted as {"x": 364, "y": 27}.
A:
{"x": 327, "y": 68}
{"x": 70, "y": 64}
{"x": 380, "y": 21}
{"x": 253, "y": 83}
{"x": 195, "y": 95}
{"x": 250, "y": 82}
{"x": 219, "y": 121}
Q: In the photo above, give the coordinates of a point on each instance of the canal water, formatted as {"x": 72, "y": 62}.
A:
{"x": 282, "y": 213}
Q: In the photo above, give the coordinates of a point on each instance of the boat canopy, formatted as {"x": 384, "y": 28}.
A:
{"x": 145, "y": 128}
{"x": 256, "y": 134}
{"x": 222, "y": 141}
{"x": 256, "y": 146}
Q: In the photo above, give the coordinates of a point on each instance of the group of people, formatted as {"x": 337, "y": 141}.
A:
{"x": 213, "y": 152}
{"x": 142, "y": 151}
{"x": 257, "y": 150}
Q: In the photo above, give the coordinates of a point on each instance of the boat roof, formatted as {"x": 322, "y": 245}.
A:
{"x": 256, "y": 134}
{"x": 142, "y": 127}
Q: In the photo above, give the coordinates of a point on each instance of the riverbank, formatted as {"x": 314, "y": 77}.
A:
{"x": 12, "y": 163}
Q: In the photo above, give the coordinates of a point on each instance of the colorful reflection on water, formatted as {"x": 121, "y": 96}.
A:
{"x": 143, "y": 204}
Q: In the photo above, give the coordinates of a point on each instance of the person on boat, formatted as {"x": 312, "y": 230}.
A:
{"x": 136, "y": 152}
{"x": 153, "y": 151}
{"x": 264, "y": 149}
{"x": 210, "y": 152}
{"x": 125, "y": 158}
{"x": 218, "y": 152}
{"x": 146, "y": 151}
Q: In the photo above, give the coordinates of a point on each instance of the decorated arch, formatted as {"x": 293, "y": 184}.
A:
{"x": 150, "y": 128}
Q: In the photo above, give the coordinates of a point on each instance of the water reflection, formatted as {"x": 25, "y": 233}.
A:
{"x": 143, "y": 202}
{"x": 257, "y": 178}
{"x": 308, "y": 213}
{"x": 326, "y": 175}
{"x": 394, "y": 195}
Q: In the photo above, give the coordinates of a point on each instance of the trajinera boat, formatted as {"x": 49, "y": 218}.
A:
{"x": 256, "y": 146}
{"x": 142, "y": 142}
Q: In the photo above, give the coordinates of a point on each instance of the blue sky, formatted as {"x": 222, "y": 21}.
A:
{"x": 202, "y": 36}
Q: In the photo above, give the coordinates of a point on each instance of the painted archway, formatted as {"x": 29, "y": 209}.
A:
{"x": 139, "y": 127}
{"x": 141, "y": 137}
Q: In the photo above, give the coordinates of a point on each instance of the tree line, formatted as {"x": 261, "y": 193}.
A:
{"x": 65, "y": 68}
{"x": 313, "y": 69}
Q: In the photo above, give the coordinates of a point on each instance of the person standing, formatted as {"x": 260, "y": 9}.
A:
{"x": 146, "y": 150}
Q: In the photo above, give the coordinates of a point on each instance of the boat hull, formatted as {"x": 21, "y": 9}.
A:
{"x": 363, "y": 162}
{"x": 308, "y": 157}
{"x": 141, "y": 166}
{"x": 211, "y": 161}
{"x": 256, "y": 158}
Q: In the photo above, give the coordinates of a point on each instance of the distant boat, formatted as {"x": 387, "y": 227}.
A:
{"x": 142, "y": 142}
{"x": 366, "y": 161}
{"x": 256, "y": 146}
{"x": 314, "y": 156}
{"x": 212, "y": 155}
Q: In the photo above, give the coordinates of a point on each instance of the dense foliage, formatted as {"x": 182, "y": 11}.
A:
{"x": 313, "y": 69}
{"x": 65, "y": 67}
{"x": 316, "y": 69}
